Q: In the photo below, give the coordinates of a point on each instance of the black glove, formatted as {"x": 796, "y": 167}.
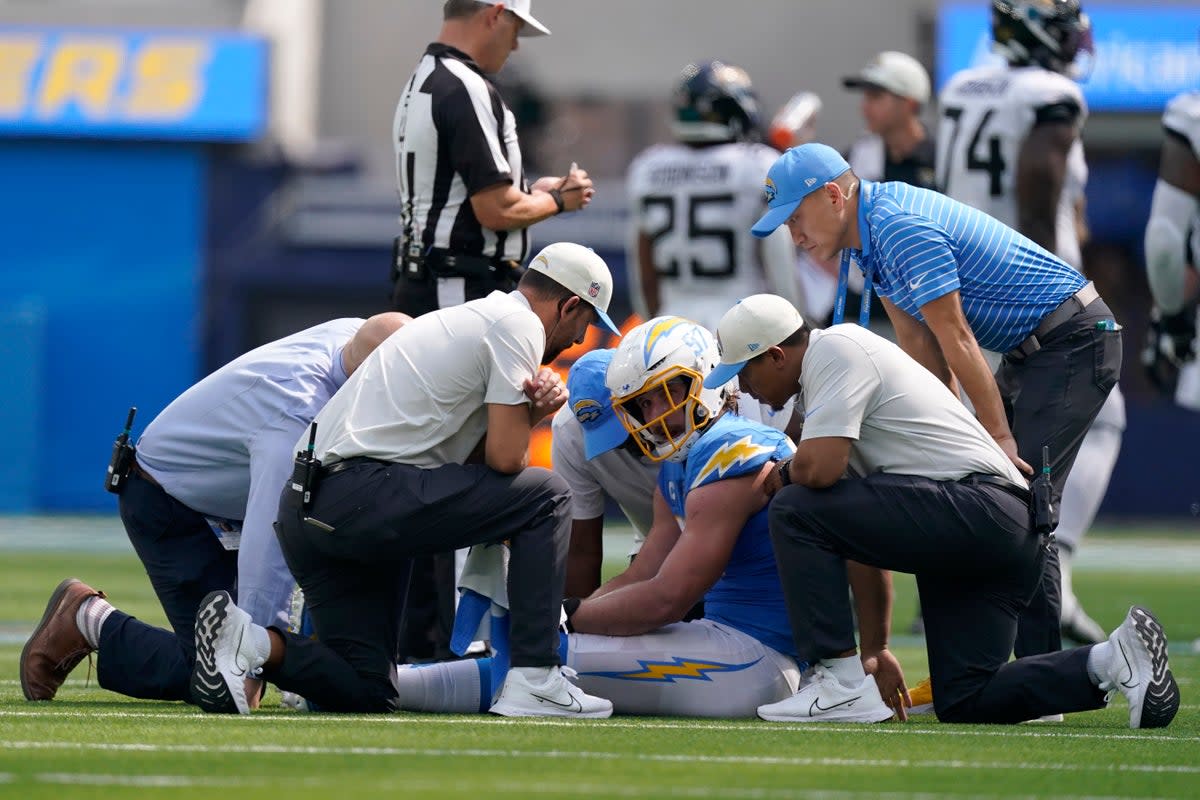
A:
{"x": 570, "y": 605}
{"x": 1170, "y": 343}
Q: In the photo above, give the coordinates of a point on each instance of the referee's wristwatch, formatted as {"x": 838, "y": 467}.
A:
{"x": 785, "y": 472}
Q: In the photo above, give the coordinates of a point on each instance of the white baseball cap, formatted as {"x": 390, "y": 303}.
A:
{"x": 580, "y": 270}
{"x": 747, "y": 330}
{"x": 898, "y": 73}
{"x": 522, "y": 9}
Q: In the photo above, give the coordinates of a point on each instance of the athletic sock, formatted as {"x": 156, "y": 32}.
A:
{"x": 848, "y": 670}
{"x": 1097, "y": 663}
{"x": 536, "y": 676}
{"x": 260, "y": 640}
{"x": 90, "y": 619}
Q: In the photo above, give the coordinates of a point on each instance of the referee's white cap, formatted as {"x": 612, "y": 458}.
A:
{"x": 580, "y": 270}
{"x": 747, "y": 330}
{"x": 522, "y": 9}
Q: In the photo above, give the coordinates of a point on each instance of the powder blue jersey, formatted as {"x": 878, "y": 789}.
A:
{"x": 922, "y": 245}
{"x": 748, "y": 596}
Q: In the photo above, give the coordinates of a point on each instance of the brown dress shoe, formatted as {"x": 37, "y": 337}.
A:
{"x": 56, "y": 645}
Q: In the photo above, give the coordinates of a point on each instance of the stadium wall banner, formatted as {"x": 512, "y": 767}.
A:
{"x": 100, "y": 83}
{"x": 1144, "y": 54}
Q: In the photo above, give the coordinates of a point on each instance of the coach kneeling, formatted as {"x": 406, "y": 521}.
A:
{"x": 938, "y": 499}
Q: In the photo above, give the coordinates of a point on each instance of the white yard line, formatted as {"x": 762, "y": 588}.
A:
{"x": 600, "y": 755}
{"x": 503, "y": 786}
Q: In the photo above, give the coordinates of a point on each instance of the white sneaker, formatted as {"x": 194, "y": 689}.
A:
{"x": 824, "y": 699}
{"x": 225, "y": 656}
{"x": 556, "y": 697}
{"x": 1138, "y": 669}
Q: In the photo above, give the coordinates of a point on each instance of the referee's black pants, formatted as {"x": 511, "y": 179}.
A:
{"x": 977, "y": 562}
{"x": 1051, "y": 399}
{"x": 354, "y": 576}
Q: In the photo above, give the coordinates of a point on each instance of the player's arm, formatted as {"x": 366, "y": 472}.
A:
{"x": 1042, "y": 170}
{"x": 664, "y": 533}
{"x": 946, "y": 320}
{"x": 646, "y": 273}
{"x": 919, "y": 342}
{"x": 777, "y": 254}
{"x": 585, "y": 557}
{"x": 716, "y": 514}
{"x": 1172, "y": 209}
{"x": 873, "y": 596}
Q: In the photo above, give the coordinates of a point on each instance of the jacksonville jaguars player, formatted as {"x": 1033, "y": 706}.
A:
{"x": 1170, "y": 355}
{"x": 692, "y": 202}
{"x": 1009, "y": 145}
{"x": 708, "y": 539}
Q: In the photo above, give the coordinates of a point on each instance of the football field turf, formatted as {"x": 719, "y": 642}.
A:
{"x": 95, "y": 744}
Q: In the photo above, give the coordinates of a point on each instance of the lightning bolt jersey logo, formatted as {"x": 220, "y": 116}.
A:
{"x": 729, "y": 455}
{"x": 673, "y": 670}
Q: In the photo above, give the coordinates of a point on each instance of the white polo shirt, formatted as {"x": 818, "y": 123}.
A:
{"x": 421, "y": 397}
{"x": 628, "y": 479}
{"x": 858, "y": 385}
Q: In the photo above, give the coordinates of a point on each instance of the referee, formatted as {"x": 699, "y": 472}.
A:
{"x": 955, "y": 281}
{"x": 465, "y": 206}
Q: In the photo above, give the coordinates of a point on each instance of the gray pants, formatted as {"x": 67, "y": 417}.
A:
{"x": 1051, "y": 399}
{"x": 354, "y": 577}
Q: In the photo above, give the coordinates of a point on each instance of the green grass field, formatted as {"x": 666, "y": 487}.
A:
{"x": 95, "y": 744}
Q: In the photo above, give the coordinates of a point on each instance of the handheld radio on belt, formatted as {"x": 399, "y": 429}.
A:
{"x": 304, "y": 470}
{"x": 1043, "y": 498}
{"x": 122, "y": 460}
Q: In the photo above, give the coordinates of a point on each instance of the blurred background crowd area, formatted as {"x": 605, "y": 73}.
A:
{"x": 186, "y": 179}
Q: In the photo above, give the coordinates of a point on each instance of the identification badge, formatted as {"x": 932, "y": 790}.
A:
{"x": 227, "y": 531}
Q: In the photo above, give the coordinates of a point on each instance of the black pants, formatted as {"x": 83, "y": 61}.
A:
{"x": 184, "y": 561}
{"x": 417, "y": 297}
{"x": 429, "y": 610}
{"x": 977, "y": 563}
{"x": 1051, "y": 399}
{"x": 354, "y": 577}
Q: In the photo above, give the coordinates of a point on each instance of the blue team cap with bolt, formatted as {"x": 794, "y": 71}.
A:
{"x": 591, "y": 403}
{"x": 794, "y": 176}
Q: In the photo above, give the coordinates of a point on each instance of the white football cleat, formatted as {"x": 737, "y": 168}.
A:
{"x": 556, "y": 697}
{"x": 825, "y": 699}
{"x": 225, "y": 656}
{"x": 1138, "y": 669}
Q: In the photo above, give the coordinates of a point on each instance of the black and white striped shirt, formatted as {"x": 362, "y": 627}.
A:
{"x": 454, "y": 136}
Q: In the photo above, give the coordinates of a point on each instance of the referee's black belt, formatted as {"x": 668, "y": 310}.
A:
{"x": 987, "y": 479}
{"x": 1067, "y": 309}
{"x": 443, "y": 263}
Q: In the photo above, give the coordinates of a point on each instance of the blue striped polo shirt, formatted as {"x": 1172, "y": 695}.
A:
{"x": 923, "y": 245}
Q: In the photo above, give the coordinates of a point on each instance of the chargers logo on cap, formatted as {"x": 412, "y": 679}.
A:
{"x": 587, "y": 410}
{"x": 770, "y": 190}
{"x": 545, "y": 261}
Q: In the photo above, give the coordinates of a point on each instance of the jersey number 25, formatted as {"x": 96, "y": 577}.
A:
{"x": 703, "y": 261}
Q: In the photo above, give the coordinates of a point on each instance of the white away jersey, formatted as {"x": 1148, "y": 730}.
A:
{"x": 985, "y": 115}
{"x": 697, "y": 205}
{"x": 1182, "y": 117}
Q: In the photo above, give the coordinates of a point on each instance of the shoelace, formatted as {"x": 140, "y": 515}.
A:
{"x": 568, "y": 673}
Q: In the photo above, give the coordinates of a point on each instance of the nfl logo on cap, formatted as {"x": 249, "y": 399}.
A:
{"x": 594, "y": 289}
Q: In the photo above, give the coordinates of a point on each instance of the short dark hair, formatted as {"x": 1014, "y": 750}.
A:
{"x": 457, "y": 9}
{"x": 544, "y": 287}
{"x": 798, "y": 337}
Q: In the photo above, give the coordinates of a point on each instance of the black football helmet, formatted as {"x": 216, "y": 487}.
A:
{"x": 1051, "y": 34}
{"x": 715, "y": 102}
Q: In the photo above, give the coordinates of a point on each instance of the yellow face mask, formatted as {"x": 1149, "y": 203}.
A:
{"x": 652, "y": 435}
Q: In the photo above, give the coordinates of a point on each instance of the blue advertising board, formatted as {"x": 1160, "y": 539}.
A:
{"x": 99, "y": 83}
{"x": 1145, "y": 54}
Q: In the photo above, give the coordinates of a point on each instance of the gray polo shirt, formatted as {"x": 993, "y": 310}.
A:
{"x": 858, "y": 385}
